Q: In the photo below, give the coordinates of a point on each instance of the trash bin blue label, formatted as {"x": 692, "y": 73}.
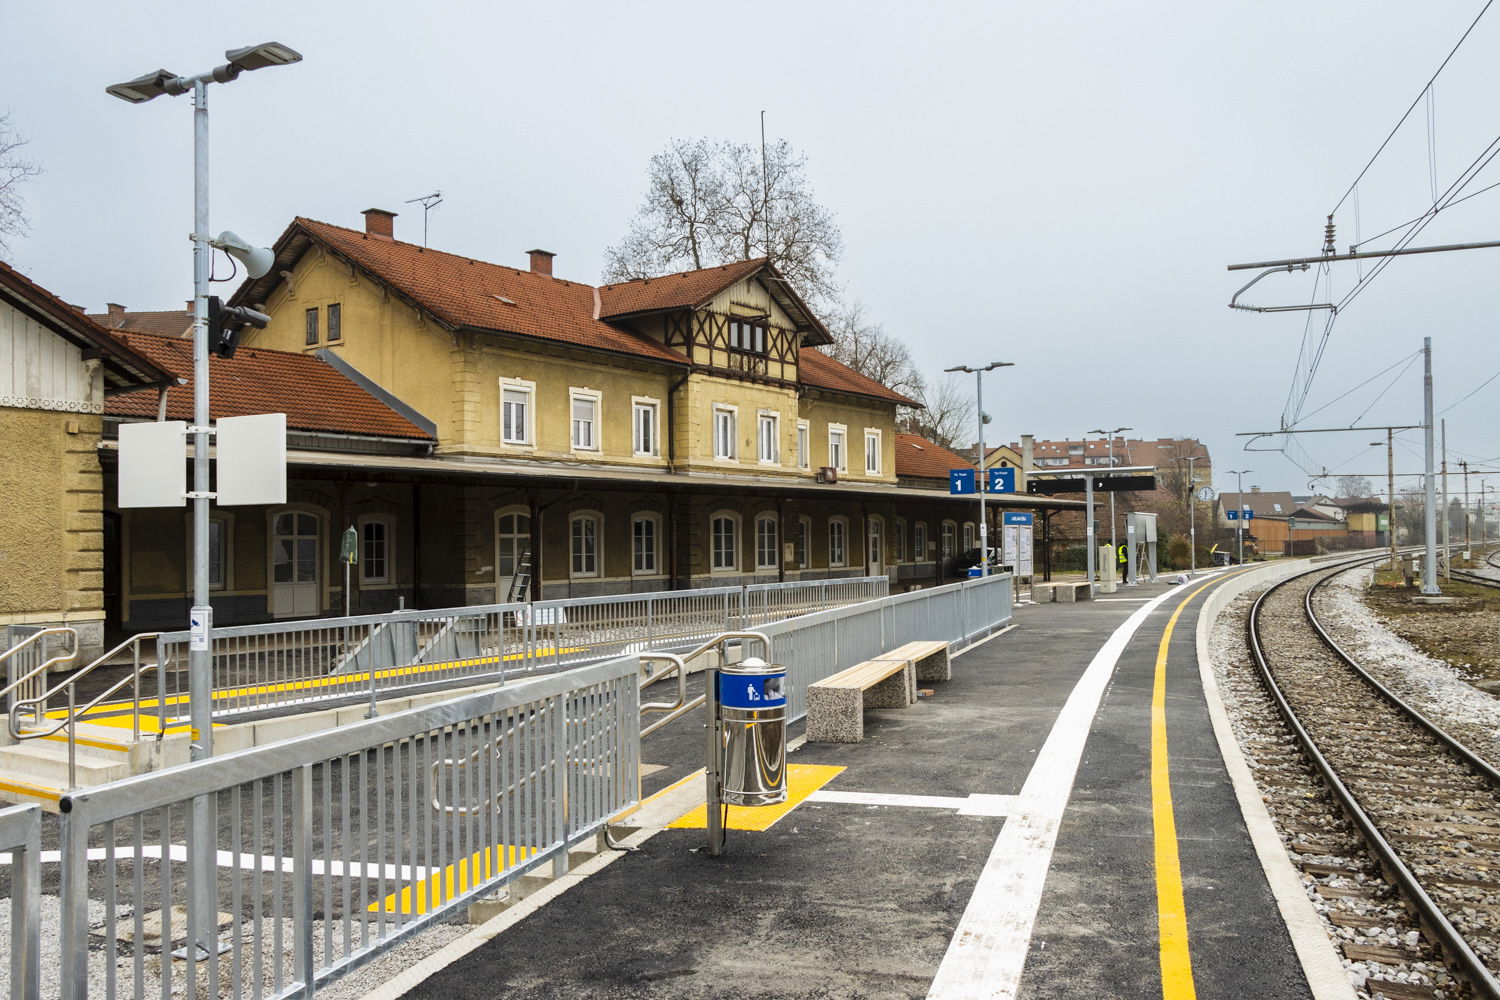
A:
{"x": 752, "y": 691}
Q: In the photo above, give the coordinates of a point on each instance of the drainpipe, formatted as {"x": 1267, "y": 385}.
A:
{"x": 672, "y": 423}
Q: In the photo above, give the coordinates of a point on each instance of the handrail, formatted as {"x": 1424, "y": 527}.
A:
{"x": 45, "y": 665}
{"x": 680, "y": 707}
{"x": 70, "y": 684}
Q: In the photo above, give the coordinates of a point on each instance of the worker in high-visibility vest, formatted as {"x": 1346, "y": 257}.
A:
{"x": 1123, "y": 558}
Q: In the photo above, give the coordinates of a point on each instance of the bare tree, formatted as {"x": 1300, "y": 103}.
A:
{"x": 15, "y": 170}
{"x": 947, "y": 416}
{"x": 1353, "y": 486}
{"x": 710, "y": 203}
{"x": 863, "y": 345}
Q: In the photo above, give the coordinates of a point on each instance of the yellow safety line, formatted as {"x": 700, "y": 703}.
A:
{"x": 452, "y": 881}
{"x": 33, "y": 791}
{"x": 801, "y": 781}
{"x": 355, "y": 680}
{"x": 1171, "y": 910}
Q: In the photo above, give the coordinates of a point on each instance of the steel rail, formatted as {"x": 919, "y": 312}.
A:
{"x": 1427, "y": 911}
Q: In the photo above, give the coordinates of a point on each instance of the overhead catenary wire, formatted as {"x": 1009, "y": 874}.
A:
{"x": 1471, "y": 392}
{"x": 1349, "y": 392}
{"x": 1417, "y": 100}
{"x": 1387, "y": 389}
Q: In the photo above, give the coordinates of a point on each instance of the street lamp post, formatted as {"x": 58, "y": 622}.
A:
{"x": 984, "y": 538}
{"x": 1239, "y": 522}
{"x": 202, "y": 937}
{"x": 1114, "y": 552}
{"x": 1192, "y": 517}
{"x": 1390, "y": 491}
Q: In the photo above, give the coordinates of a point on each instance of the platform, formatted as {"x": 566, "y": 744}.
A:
{"x": 1029, "y": 830}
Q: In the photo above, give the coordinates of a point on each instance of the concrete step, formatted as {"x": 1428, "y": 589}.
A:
{"x": 18, "y": 791}
{"x": 46, "y": 762}
{"x": 94, "y": 739}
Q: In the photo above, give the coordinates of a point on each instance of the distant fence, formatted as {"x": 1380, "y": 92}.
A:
{"x": 289, "y": 663}
{"x": 301, "y": 860}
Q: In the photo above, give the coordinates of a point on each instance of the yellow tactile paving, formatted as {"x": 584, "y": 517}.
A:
{"x": 455, "y": 879}
{"x": 801, "y": 781}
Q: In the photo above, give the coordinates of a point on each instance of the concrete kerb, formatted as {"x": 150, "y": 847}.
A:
{"x": 1321, "y": 962}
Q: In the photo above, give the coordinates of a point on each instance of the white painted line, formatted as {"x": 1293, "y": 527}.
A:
{"x": 1124, "y": 600}
{"x": 245, "y": 862}
{"x": 989, "y": 946}
{"x": 966, "y": 805}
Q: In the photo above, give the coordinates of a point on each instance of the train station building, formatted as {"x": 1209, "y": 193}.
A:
{"x": 499, "y": 433}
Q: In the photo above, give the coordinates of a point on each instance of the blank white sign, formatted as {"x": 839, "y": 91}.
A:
{"x": 153, "y": 465}
{"x": 251, "y": 459}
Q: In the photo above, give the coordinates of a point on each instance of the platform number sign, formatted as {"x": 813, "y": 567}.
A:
{"x": 962, "y": 481}
{"x": 1247, "y": 514}
{"x": 1233, "y": 515}
{"x": 1002, "y": 480}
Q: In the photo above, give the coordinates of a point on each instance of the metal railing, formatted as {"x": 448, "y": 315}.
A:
{"x": 328, "y": 849}
{"x": 820, "y": 645}
{"x": 21, "y": 838}
{"x": 259, "y": 667}
{"x": 28, "y": 661}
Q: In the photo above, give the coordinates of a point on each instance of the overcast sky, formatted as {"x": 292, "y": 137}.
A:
{"x": 1059, "y": 185}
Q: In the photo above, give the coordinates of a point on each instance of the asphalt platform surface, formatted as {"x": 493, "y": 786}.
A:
{"x": 849, "y": 900}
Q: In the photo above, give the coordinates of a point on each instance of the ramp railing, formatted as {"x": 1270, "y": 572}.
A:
{"x": 327, "y": 847}
{"x": 259, "y": 667}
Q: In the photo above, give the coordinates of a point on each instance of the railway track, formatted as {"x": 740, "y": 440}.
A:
{"x": 1426, "y": 807}
{"x": 1492, "y": 561}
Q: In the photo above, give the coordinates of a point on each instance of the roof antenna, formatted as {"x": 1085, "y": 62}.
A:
{"x": 429, "y": 202}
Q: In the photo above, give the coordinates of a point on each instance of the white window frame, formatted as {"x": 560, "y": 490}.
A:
{"x": 897, "y": 543}
{"x": 655, "y": 520}
{"x": 729, "y": 416}
{"x": 872, "y": 434}
{"x": 651, "y": 408}
{"x": 804, "y": 558}
{"x": 388, "y": 577}
{"x": 919, "y": 540}
{"x": 715, "y": 566}
{"x": 225, "y": 521}
{"x": 839, "y": 461}
{"x": 528, "y": 414}
{"x": 969, "y": 542}
{"x": 761, "y": 563}
{"x": 768, "y": 445}
{"x": 840, "y": 556}
{"x": 596, "y": 397}
{"x": 804, "y": 448}
{"x": 597, "y": 570}
{"x": 948, "y": 540}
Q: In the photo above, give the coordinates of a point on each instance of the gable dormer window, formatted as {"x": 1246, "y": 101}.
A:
{"x": 747, "y": 335}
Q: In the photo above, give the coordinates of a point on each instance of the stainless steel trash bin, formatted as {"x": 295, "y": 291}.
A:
{"x": 752, "y": 719}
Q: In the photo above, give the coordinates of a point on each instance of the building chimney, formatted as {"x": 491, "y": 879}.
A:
{"x": 1028, "y": 460}
{"x": 379, "y": 222}
{"x": 116, "y": 315}
{"x": 541, "y": 261}
{"x": 190, "y": 304}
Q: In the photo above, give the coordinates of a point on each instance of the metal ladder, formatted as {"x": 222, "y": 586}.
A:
{"x": 521, "y": 582}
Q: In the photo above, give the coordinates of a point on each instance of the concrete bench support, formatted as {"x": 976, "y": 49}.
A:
{"x": 1063, "y": 593}
{"x": 836, "y": 705}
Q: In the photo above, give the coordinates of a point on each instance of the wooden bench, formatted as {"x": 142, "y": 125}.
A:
{"x": 1065, "y": 592}
{"x": 929, "y": 657}
{"x": 836, "y": 705}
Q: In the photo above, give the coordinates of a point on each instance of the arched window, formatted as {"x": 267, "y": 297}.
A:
{"x": 376, "y": 550}
{"x": 898, "y": 541}
{"x": 838, "y": 541}
{"x": 584, "y": 545}
{"x": 724, "y": 542}
{"x": 950, "y": 540}
{"x": 919, "y": 541}
{"x": 767, "y": 542}
{"x": 645, "y": 544}
{"x": 968, "y": 535}
{"x": 801, "y": 536}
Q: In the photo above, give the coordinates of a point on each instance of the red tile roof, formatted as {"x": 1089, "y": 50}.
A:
{"x": 463, "y": 292}
{"x": 820, "y": 371}
{"x": 312, "y": 393}
{"x": 920, "y": 458}
{"x": 167, "y": 323}
{"x": 686, "y": 290}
